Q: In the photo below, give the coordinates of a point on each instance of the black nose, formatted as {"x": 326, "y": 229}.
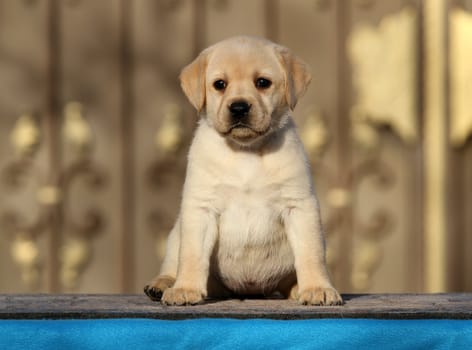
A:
{"x": 239, "y": 108}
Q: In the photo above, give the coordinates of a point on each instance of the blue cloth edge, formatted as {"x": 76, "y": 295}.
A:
{"x": 235, "y": 334}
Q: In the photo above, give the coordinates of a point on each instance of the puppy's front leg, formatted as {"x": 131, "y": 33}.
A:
{"x": 304, "y": 231}
{"x": 198, "y": 237}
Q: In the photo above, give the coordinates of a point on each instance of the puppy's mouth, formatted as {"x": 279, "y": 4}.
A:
{"x": 239, "y": 125}
{"x": 243, "y": 132}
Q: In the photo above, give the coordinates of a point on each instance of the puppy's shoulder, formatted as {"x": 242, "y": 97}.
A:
{"x": 288, "y": 159}
{"x": 287, "y": 144}
{"x": 205, "y": 141}
{"x": 208, "y": 152}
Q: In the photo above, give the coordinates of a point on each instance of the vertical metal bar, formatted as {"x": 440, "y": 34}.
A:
{"x": 52, "y": 140}
{"x": 434, "y": 145}
{"x": 415, "y": 249}
{"x": 458, "y": 221}
{"x": 272, "y": 20}
{"x": 199, "y": 37}
{"x": 127, "y": 262}
{"x": 342, "y": 145}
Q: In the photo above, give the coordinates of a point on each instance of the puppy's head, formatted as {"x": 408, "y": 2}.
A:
{"x": 245, "y": 87}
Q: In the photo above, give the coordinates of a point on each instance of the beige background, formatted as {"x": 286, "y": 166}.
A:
{"x": 87, "y": 195}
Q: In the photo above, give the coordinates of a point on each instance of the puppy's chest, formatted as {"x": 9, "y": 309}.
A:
{"x": 247, "y": 217}
{"x": 248, "y": 198}
{"x": 247, "y": 178}
{"x": 250, "y": 207}
{"x": 248, "y": 184}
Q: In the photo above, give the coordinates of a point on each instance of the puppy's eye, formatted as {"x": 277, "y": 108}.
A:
{"x": 219, "y": 85}
{"x": 263, "y": 83}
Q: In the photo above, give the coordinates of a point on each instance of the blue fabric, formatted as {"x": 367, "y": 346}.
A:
{"x": 228, "y": 334}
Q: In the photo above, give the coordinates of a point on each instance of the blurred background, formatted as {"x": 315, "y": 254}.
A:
{"x": 94, "y": 132}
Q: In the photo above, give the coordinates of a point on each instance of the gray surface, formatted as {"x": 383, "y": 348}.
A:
{"x": 384, "y": 306}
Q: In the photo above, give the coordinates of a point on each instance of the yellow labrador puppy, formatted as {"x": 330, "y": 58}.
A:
{"x": 249, "y": 222}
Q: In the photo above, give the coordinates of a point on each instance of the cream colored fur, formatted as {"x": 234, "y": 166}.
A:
{"x": 249, "y": 221}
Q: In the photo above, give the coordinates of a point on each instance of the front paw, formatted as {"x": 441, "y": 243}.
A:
{"x": 156, "y": 288}
{"x": 319, "y": 296}
{"x": 182, "y": 296}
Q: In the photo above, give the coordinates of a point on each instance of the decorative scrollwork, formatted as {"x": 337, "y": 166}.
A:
{"x": 341, "y": 216}
{"x": 168, "y": 166}
{"x": 76, "y": 251}
{"x": 92, "y": 221}
{"x": 24, "y": 230}
{"x": 367, "y": 251}
{"x": 368, "y": 256}
{"x": 74, "y": 257}
{"x": 168, "y": 137}
{"x": 25, "y": 136}
{"x": 76, "y": 130}
{"x": 25, "y": 253}
{"x": 314, "y": 134}
{"x": 384, "y": 77}
{"x": 461, "y": 76}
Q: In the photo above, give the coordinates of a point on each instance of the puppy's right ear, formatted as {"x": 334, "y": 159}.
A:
{"x": 192, "y": 80}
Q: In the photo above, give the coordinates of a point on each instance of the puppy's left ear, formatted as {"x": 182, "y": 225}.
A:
{"x": 297, "y": 75}
{"x": 192, "y": 81}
